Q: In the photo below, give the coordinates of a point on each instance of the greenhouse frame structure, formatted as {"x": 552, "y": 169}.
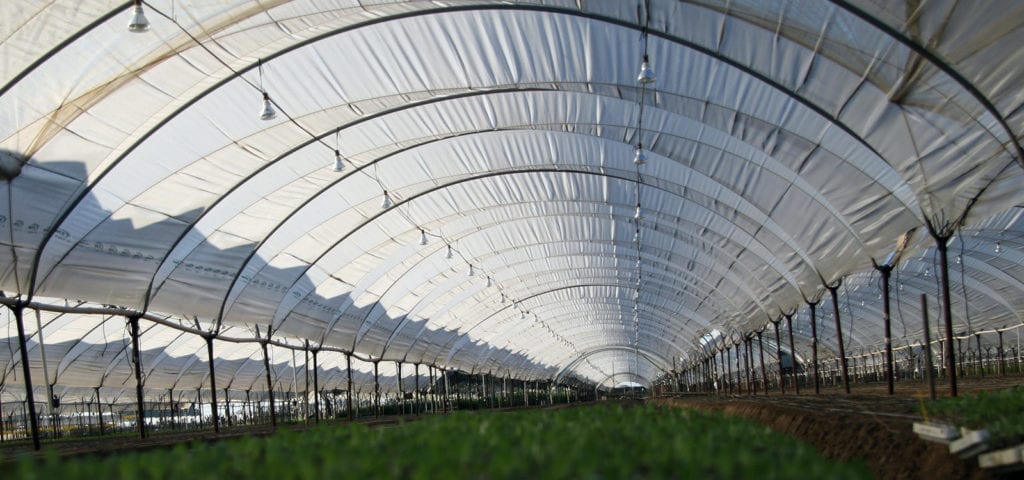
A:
{"x": 222, "y": 196}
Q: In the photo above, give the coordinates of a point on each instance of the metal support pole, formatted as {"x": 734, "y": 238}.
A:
{"x": 316, "y": 386}
{"x": 270, "y": 382}
{"x": 1002, "y": 360}
{"x": 348, "y": 393}
{"x": 886, "y": 272}
{"x": 927, "y": 348}
{"x": 947, "y": 310}
{"x": 814, "y": 345}
{"x": 133, "y": 321}
{"x": 792, "y": 355}
{"x": 764, "y": 371}
{"x": 981, "y": 359}
{"x": 833, "y": 290}
{"x": 376, "y": 390}
{"x": 213, "y": 384}
{"x": 748, "y": 365}
{"x": 18, "y": 309}
{"x": 99, "y": 408}
{"x": 416, "y": 396}
{"x": 778, "y": 356}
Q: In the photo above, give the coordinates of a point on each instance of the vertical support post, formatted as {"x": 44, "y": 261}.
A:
{"x": 376, "y": 390}
{"x": 213, "y": 384}
{"x": 99, "y": 409}
{"x": 739, "y": 373}
{"x": 764, "y": 371}
{"x": 886, "y": 272}
{"x": 18, "y": 309}
{"x": 1002, "y": 360}
{"x": 725, "y": 365}
{"x": 778, "y": 356}
{"x": 981, "y": 359}
{"x": 947, "y": 310}
{"x": 416, "y": 396}
{"x": 748, "y": 365}
{"x": 792, "y": 355}
{"x": 928, "y": 348}
{"x": 305, "y": 379}
{"x": 833, "y": 290}
{"x": 348, "y": 392}
{"x": 133, "y": 322}
{"x": 316, "y": 386}
{"x": 227, "y": 407}
{"x": 814, "y": 345}
{"x": 270, "y": 382}
{"x": 401, "y": 390}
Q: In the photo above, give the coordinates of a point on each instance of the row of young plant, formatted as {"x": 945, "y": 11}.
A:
{"x": 978, "y": 423}
{"x": 605, "y": 441}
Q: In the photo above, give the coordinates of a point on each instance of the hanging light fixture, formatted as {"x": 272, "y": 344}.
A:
{"x": 469, "y": 273}
{"x": 339, "y": 164}
{"x": 488, "y": 282}
{"x": 999, "y": 248}
{"x": 448, "y": 256}
{"x": 502, "y": 298}
{"x": 646, "y": 75}
{"x": 639, "y": 158}
{"x": 267, "y": 112}
{"x": 423, "y": 237}
{"x": 638, "y": 215}
{"x": 386, "y": 203}
{"x": 522, "y": 315}
{"x": 138, "y": 23}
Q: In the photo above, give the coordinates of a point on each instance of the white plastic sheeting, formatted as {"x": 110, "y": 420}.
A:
{"x": 790, "y": 144}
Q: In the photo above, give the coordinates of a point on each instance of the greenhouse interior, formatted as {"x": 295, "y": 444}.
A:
{"x": 409, "y": 232}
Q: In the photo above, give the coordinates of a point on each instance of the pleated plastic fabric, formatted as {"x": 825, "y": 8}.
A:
{"x": 790, "y": 145}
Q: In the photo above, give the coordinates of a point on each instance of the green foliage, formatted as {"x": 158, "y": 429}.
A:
{"x": 1000, "y": 412}
{"x": 595, "y": 442}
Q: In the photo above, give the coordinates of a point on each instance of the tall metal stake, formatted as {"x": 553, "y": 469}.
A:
{"x": 778, "y": 356}
{"x": 814, "y": 345}
{"x": 947, "y": 311}
{"x": 348, "y": 393}
{"x": 213, "y": 384}
{"x": 316, "y": 387}
{"x": 839, "y": 335}
{"x": 133, "y": 321}
{"x": 18, "y": 309}
{"x": 927, "y": 348}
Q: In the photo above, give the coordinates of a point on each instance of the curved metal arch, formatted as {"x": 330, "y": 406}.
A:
{"x": 400, "y": 326}
{"x": 431, "y": 190}
{"x": 941, "y": 65}
{"x": 695, "y": 260}
{"x": 454, "y": 347}
{"x": 363, "y": 119}
{"x": 777, "y": 232}
{"x": 664, "y": 365}
{"x": 647, "y": 336}
{"x": 70, "y": 206}
{"x": 492, "y": 314}
{"x": 450, "y": 347}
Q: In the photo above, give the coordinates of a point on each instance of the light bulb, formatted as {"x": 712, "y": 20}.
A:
{"x": 267, "y": 112}
{"x": 638, "y": 215}
{"x": 386, "y": 203}
{"x": 503, "y": 298}
{"x": 640, "y": 158}
{"x": 999, "y": 248}
{"x": 469, "y": 273}
{"x": 522, "y": 315}
{"x": 958, "y": 260}
{"x": 488, "y": 282}
{"x": 927, "y": 273}
{"x": 423, "y": 237}
{"x": 138, "y": 23}
{"x": 449, "y": 255}
{"x": 646, "y": 74}
{"x": 339, "y": 164}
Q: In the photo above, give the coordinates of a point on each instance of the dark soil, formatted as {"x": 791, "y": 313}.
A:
{"x": 867, "y": 425}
